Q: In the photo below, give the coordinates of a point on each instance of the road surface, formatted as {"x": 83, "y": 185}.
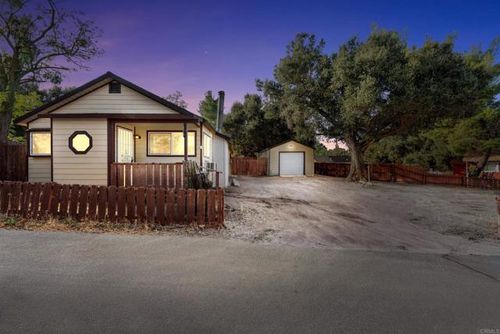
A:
{"x": 107, "y": 283}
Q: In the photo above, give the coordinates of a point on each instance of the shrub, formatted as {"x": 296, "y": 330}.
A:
{"x": 194, "y": 177}
{"x": 10, "y": 221}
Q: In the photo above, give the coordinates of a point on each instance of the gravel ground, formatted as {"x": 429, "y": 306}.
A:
{"x": 326, "y": 212}
{"x": 331, "y": 213}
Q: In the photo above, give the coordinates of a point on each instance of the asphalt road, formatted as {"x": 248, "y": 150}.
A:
{"x": 71, "y": 283}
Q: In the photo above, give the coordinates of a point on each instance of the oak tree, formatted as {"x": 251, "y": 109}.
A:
{"x": 39, "y": 42}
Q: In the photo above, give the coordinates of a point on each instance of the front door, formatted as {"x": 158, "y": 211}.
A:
{"x": 124, "y": 145}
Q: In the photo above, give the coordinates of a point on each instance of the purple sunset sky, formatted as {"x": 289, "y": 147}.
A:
{"x": 195, "y": 46}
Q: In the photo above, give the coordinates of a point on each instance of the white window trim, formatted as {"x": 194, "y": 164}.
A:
{"x": 130, "y": 131}
{"x": 31, "y": 154}
{"x": 209, "y": 156}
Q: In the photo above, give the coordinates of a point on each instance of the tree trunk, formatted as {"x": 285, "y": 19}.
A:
{"x": 4, "y": 127}
{"x": 6, "y": 111}
{"x": 482, "y": 162}
{"x": 356, "y": 172}
{"x": 10, "y": 85}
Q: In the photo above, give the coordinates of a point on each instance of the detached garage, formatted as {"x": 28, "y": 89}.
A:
{"x": 289, "y": 159}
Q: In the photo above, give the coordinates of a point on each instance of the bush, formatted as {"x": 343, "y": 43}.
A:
{"x": 10, "y": 221}
{"x": 194, "y": 177}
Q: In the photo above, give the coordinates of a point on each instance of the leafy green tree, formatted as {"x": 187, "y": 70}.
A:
{"x": 391, "y": 149}
{"x": 478, "y": 134}
{"x": 298, "y": 91}
{"x": 379, "y": 87}
{"x": 448, "y": 140}
{"x": 23, "y": 103}
{"x": 430, "y": 148}
{"x": 321, "y": 150}
{"x": 208, "y": 108}
{"x": 338, "y": 151}
{"x": 253, "y": 128}
{"x": 176, "y": 98}
{"x": 48, "y": 95}
{"x": 39, "y": 42}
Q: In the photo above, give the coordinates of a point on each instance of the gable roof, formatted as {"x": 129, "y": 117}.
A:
{"x": 492, "y": 158}
{"x": 98, "y": 83}
{"x": 284, "y": 142}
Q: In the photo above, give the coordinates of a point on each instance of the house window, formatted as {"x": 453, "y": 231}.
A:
{"x": 170, "y": 143}
{"x": 80, "y": 142}
{"x": 207, "y": 145}
{"x": 40, "y": 143}
{"x": 490, "y": 167}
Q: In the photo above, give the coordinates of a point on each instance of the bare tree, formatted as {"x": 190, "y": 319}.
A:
{"x": 176, "y": 98}
{"x": 39, "y": 42}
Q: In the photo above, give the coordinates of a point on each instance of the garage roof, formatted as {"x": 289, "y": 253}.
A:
{"x": 284, "y": 142}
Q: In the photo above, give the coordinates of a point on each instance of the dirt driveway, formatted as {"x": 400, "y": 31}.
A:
{"x": 328, "y": 212}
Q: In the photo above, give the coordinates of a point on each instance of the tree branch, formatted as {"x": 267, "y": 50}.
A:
{"x": 51, "y": 25}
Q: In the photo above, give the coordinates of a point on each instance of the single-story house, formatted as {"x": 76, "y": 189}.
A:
{"x": 493, "y": 164}
{"x": 289, "y": 158}
{"x": 492, "y": 167}
{"x": 79, "y": 137}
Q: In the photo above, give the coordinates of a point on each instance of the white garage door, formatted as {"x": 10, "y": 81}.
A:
{"x": 291, "y": 163}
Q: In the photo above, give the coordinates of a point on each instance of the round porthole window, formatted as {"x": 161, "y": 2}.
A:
{"x": 80, "y": 142}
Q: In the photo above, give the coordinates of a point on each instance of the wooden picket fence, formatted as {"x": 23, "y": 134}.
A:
{"x": 168, "y": 175}
{"x": 157, "y": 205}
{"x": 407, "y": 174}
{"x": 13, "y": 162}
{"x": 249, "y": 166}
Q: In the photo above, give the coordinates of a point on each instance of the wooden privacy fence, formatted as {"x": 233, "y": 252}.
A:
{"x": 331, "y": 169}
{"x": 13, "y": 162}
{"x": 249, "y": 166}
{"x": 168, "y": 175}
{"x": 155, "y": 205}
{"x": 408, "y": 174}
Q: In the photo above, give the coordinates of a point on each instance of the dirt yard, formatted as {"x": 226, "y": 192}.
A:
{"x": 328, "y": 212}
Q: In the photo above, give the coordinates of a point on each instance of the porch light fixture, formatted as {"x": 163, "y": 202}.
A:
{"x": 80, "y": 142}
{"x": 137, "y": 137}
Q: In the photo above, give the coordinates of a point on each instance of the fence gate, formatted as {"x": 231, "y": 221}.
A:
{"x": 13, "y": 162}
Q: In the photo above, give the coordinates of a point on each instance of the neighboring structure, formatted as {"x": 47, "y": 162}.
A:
{"x": 77, "y": 137}
{"x": 492, "y": 166}
{"x": 289, "y": 159}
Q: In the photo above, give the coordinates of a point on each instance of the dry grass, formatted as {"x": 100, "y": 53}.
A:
{"x": 87, "y": 226}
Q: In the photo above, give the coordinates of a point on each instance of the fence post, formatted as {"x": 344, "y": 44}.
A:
{"x": 498, "y": 217}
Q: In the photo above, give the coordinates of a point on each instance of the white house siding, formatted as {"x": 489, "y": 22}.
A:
{"x": 101, "y": 101}
{"x": 141, "y": 146}
{"x": 71, "y": 168}
{"x": 39, "y": 167}
{"x": 40, "y": 123}
{"x": 221, "y": 158}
